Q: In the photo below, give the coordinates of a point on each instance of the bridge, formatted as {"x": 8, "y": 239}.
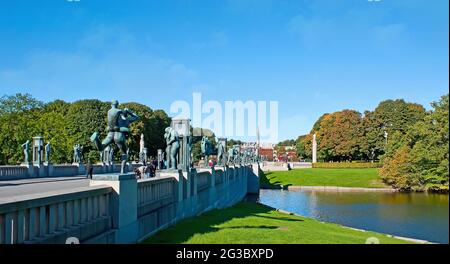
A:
{"x": 112, "y": 207}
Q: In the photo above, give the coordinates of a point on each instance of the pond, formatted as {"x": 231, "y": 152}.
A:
{"x": 414, "y": 215}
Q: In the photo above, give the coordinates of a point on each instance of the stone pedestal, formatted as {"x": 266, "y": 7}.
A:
{"x": 30, "y": 167}
{"x": 49, "y": 169}
{"x": 81, "y": 168}
{"x": 124, "y": 204}
{"x": 183, "y": 204}
{"x": 253, "y": 179}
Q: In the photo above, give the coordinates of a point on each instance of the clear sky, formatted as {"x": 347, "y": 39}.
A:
{"x": 312, "y": 56}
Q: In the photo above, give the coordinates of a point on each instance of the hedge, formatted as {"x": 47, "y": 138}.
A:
{"x": 346, "y": 165}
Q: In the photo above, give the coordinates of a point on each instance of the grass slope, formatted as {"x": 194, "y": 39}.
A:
{"x": 366, "y": 178}
{"x": 251, "y": 223}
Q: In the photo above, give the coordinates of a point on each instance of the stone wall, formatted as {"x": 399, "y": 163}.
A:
{"x": 117, "y": 208}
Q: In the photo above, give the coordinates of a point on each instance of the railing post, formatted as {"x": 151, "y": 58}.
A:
{"x": 124, "y": 204}
{"x": 20, "y": 226}
{"x": 253, "y": 179}
{"x": 9, "y": 235}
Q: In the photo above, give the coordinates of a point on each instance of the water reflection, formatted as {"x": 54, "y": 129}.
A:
{"x": 415, "y": 215}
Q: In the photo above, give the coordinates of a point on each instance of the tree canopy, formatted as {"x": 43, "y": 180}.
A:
{"x": 64, "y": 124}
{"x": 411, "y": 143}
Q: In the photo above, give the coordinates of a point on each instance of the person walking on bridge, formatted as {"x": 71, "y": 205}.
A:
{"x": 89, "y": 170}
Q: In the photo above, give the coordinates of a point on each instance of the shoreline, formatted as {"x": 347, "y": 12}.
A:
{"x": 414, "y": 240}
{"x": 326, "y": 188}
{"x": 338, "y": 189}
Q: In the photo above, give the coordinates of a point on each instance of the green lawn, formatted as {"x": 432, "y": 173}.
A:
{"x": 367, "y": 178}
{"x": 251, "y": 223}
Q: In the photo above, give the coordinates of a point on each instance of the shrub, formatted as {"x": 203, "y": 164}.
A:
{"x": 346, "y": 165}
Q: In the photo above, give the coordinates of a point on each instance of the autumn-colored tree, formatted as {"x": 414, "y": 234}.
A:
{"x": 339, "y": 135}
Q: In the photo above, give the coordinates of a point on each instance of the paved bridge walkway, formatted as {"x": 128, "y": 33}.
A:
{"x": 38, "y": 185}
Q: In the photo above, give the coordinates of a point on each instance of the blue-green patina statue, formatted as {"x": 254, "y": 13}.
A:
{"x": 173, "y": 146}
{"x": 221, "y": 153}
{"x": 118, "y": 130}
{"x": 233, "y": 154}
{"x": 207, "y": 149}
{"x": 26, "y": 148}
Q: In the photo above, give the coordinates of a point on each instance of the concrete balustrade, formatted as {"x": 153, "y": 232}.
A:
{"x": 65, "y": 170}
{"x": 13, "y": 172}
{"x": 117, "y": 208}
{"x": 203, "y": 179}
{"x": 53, "y": 216}
{"x": 61, "y": 170}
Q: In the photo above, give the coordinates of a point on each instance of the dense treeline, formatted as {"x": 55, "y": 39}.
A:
{"x": 410, "y": 142}
{"x": 65, "y": 124}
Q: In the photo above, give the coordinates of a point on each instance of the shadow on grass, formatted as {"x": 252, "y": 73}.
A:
{"x": 280, "y": 218}
{"x": 208, "y": 222}
{"x": 264, "y": 182}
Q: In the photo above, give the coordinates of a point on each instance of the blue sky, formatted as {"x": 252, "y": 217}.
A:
{"x": 312, "y": 56}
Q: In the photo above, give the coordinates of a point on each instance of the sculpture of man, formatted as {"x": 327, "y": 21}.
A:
{"x": 168, "y": 146}
{"x": 220, "y": 152}
{"x": 48, "y": 150}
{"x": 118, "y": 131}
{"x": 26, "y": 148}
{"x": 173, "y": 145}
{"x": 77, "y": 150}
{"x": 75, "y": 153}
{"x": 232, "y": 154}
{"x": 141, "y": 144}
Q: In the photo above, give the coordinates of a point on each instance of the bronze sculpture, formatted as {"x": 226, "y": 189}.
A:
{"x": 118, "y": 131}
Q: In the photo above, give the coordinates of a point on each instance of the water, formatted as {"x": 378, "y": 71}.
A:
{"x": 414, "y": 215}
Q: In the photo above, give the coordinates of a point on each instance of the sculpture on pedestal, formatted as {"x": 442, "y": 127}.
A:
{"x": 118, "y": 131}
{"x": 173, "y": 145}
{"x": 77, "y": 156}
{"x": 48, "y": 150}
{"x": 232, "y": 155}
{"x": 142, "y": 151}
{"x": 221, "y": 153}
{"x": 207, "y": 149}
{"x": 26, "y": 149}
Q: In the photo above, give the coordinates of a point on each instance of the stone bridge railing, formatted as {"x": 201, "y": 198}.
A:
{"x": 56, "y": 170}
{"x": 13, "y": 172}
{"x": 53, "y": 217}
{"x": 117, "y": 208}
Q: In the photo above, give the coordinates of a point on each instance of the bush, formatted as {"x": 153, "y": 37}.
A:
{"x": 346, "y": 165}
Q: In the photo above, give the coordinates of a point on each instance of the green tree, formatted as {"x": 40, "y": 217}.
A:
{"x": 395, "y": 117}
{"x": 83, "y": 118}
{"x": 301, "y": 146}
{"x": 19, "y": 115}
{"x": 420, "y": 159}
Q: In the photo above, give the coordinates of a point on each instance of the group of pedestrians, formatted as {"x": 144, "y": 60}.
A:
{"x": 148, "y": 170}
